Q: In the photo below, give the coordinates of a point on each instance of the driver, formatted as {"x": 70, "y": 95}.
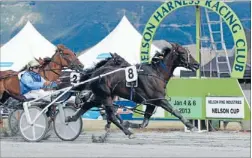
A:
{"x": 33, "y": 85}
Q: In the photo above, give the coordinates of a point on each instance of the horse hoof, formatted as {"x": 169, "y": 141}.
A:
{"x": 94, "y": 140}
{"x": 132, "y": 136}
{"x": 194, "y": 129}
{"x": 99, "y": 140}
{"x": 107, "y": 128}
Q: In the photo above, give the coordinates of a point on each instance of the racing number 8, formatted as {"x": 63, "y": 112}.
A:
{"x": 130, "y": 73}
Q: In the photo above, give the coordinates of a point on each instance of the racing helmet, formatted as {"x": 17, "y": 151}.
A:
{"x": 33, "y": 63}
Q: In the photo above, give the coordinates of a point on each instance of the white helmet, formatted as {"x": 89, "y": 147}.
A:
{"x": 33, "y": 63}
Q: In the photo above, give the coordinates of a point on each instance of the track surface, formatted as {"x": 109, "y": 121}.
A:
{"x": 146, "y": 144}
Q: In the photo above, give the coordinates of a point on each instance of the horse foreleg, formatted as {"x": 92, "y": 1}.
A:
{"x": 167, "y": 106}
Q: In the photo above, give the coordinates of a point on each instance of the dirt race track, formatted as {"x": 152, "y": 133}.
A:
{"x": 146, "y": 144}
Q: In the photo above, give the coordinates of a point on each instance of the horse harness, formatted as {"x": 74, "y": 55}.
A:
{"x": 132, "y": 85}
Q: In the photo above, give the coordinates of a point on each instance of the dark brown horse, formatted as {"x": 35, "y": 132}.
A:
{"x": 152, "y": 81}
{"x": 49, "y": 70}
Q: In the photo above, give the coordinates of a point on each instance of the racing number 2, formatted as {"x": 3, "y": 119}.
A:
{"x": 74, "y": 78}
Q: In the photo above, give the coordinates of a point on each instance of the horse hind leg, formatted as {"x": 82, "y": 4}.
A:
{"x": 147, "y": 115}
{"x": 112, "y": 117}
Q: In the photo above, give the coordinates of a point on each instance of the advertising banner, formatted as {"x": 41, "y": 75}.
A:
{"x": 225, "y": 107}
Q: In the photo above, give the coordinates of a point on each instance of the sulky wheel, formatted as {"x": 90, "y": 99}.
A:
{"x": 13, "y": 121}
{"x": 33, "y": 132}
{"x": 67, "y": 131}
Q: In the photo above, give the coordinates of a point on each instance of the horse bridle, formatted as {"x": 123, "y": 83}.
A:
{"x": 72, "y": 64}
{"x": 188, "y": 55}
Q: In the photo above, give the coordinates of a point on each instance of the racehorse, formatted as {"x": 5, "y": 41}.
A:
{"x": 152, "y": 81}
{"x": 50, "y": 70}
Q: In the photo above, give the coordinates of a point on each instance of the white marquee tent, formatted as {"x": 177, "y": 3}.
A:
{"x": 124, "y": 40}
{"x": 23, "y": 47}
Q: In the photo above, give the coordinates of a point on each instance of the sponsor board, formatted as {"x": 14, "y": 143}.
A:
{"x": 225, "y": 107}
{"x": 189, "y": 107}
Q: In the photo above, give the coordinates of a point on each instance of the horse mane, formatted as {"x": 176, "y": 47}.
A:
{"x": 88, "y": 72}
{"x": 158, "y": 57}
{"x": 118, "y": 60}
{"x": 101, "y": 63}
{"x": 45, "y": 61}
{"x": 110, "y": 61}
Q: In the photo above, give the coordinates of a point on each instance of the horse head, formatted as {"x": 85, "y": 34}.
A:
{"x": 66, "y": 58}
{"x": 177, "y": 55}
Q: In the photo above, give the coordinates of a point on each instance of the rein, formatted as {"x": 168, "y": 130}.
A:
{"x": 162, "y": 65}
{"x": 52, "y": 70}
{"x": 160, "y": 78}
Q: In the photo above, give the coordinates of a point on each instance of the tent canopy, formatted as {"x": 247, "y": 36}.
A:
{"x": 26, "y": 45}
{"x": 124, "y": 40}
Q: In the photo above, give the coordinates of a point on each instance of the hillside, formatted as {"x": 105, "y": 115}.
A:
{"x": 80, "y": 24}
